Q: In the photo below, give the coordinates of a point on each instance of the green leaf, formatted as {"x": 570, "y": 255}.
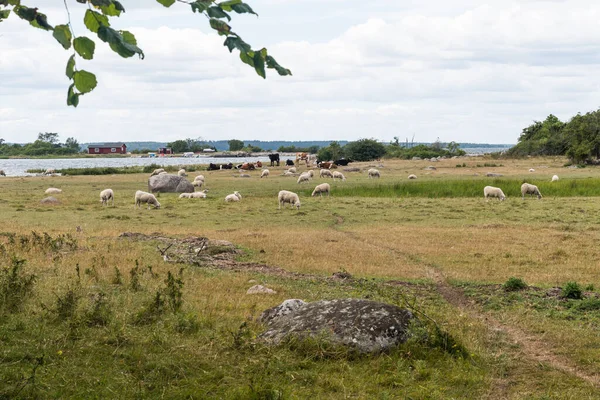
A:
{"x": 243, "y": 8}
{"x": 234, "y": 42}
{"x": 226, "y": 5}
{"x": 271, "y": 63}
{"x": 25, "y": 13}
{"x": 247, "y": 57}
{"x": 94, "y": 20}
{"x": 100, "y": 3}
{"x": 4, "y": 14}
{"x": 259, "y": 64}
{"x": 72, "y": 97}
{"x": 14, "y": 2}
{"x": 124, "y": 48}
{"x": 217, "y": 12}
{"x": 201, "y": 5}
{"x": 110, "y": 10}
{"x": 166, "y": 3}
{"x": 70, "y": 67}
{"x": 119, "y": 6}
{"x": 41, "y": 21}
{"x": 62, "y": 34}
{"x": 220, "y": 26}
{"x": 85, "y": 81}
{"x": 128, "y": 37}
{"x": 84, "y": 47}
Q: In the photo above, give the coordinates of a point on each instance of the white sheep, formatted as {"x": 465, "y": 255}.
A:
{"x": 531, "y": 170}
{"x": 199, "y": 195}
{"x": 235, "y": 196}
{"x": 199, "y": 178}
{"x": 304, "y": 177}
{"x": 320, "y": 189}
{"x": 288, "y": 173}
{"x": 185, "y": 196}
{"x": 533, "y": 190}
{"x": 157, "y": 171}
{"x": 145, "y": 197}
{"x": 181, "y": 172}
{"x": 286, "y": 196}
{"x": 50, "y": 171}
{"x": 265, "y": 173}
{"x": 374, "y": 173}
{"x": 412, "y": 176}
{"x": 325, "y": 173}
{"x": 555, "y": 178}
{"x": 338, "y": 175}
{"x": 53, "y": 191}
{"x": 198, "y": 183}
{"x": 106, "y": 195}
{"x": 311, "y": 173}
{"x": 292, "y": 170}
{"x": 491, "y": 191}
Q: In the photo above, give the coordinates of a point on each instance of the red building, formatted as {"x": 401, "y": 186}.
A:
{"x": 107, "y": 148}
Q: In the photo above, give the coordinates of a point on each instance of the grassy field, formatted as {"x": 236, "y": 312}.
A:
{"x": 80, "y": 316}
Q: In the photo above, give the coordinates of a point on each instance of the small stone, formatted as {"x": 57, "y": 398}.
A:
{"x": 50, "y": 200}
{"x": 260, "y": 289}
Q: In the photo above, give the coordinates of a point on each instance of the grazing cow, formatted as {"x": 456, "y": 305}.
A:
{"x": 274, "y": 159}
{"x": 325, "y": 164}
{"x": 343, "y": 162}
{"x": 302, "y": 157}
{"x": 289, "y": 163}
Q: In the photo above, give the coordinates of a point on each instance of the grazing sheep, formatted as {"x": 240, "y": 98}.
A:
{"x": 50, "y": 171}
{"x": 2, "y": 172}
{"x": 311, "y": 173}
{"x": 490, "y": 191}
{"x": 555, "y": 178}
{"x": 198, "y": 183}
{"x": 199, "y": 178}
{"x": 53, "y": 191}
{"x": 304, "y": 177}
{"x": 145, "y": 197}
{"x": 157, "y": 171}
{"x": 292, "y": 170}
{"x": 374, "y": 173}
{"x": 236, "y": 196}
{"x": 181, "y": 172}
{"x": 264, "y": 173}
{"x": 412, "y": 176}
{"x": 338, "y": 175}
{"x": 533, "y": 190}
{"x": 325, "y": 173}
{"x": 285, "y": 196}
{"x": 106, "y": 195}
{"x": 531, "y": 170}
{"x": 320, "y": 189}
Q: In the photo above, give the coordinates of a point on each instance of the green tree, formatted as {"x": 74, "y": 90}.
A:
{"x": 178, "y": 146}
{"x": 331, "y": 153}
{"x": 97, "y": 17}
{"x": 72, "y": 144}
{"x": 364, "y": 150}
{"x": 48, "y": 137}
{"x": 235, "y": 145}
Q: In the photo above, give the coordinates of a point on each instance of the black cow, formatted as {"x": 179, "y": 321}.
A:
{"x": 343, "y": 162}
{"x": 227, "y": 166}
{"x": 212, "y": 167}
{"x": 274, "y": 159}
{"x": 289, "y": 163}
{"x": 216, "y": 167}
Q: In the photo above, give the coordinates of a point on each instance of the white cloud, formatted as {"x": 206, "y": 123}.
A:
{"x": 460, "y": 71}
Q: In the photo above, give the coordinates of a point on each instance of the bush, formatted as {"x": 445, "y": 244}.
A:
{"x": 514, "y": 284}
{"x": 572, "y": 290}
{"x": 15, "y": 286}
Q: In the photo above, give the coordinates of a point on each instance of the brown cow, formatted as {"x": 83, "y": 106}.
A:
{"x": 258, "y": 164}
{"x": 301, "y": 157}
{"x": 247, "y": 166}
{"x": 325, "y": 164}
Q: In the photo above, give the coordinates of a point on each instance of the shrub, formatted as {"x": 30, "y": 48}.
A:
{"x": 66, "y": 305}
{"x": 572, "y": 290}
{"x": 15, "y": 286}
{"x": 100, "y": 312}
{"x": 514, "y": 284}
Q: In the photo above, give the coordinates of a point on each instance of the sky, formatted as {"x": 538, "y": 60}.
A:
{"x": 460, "y": 70}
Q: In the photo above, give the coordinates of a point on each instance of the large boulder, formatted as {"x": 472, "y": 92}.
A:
{"x": 366, "y": 325}
{"x": 168, "y": 183}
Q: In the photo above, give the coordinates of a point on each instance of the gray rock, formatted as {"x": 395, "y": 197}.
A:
{"x": 352, "y": 169}
{"x": 50, "y": 200}
{"x": 416, "y": 158}
{"x": 492, "y": 175}
{"x": 168, "y": 183}
{"x": 287, "y": 307}
{"x": 260, "y": 289}
{"x": 430, "y": 168}
{"x": 366, "y": 325}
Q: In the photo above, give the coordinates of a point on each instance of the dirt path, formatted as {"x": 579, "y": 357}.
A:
{"x": 530, "y": 345}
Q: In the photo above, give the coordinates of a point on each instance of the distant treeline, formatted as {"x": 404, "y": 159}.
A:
{"x": 578, "y": 139}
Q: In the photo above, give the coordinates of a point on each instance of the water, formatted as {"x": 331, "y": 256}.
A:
{"x": 18, "y": 167}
